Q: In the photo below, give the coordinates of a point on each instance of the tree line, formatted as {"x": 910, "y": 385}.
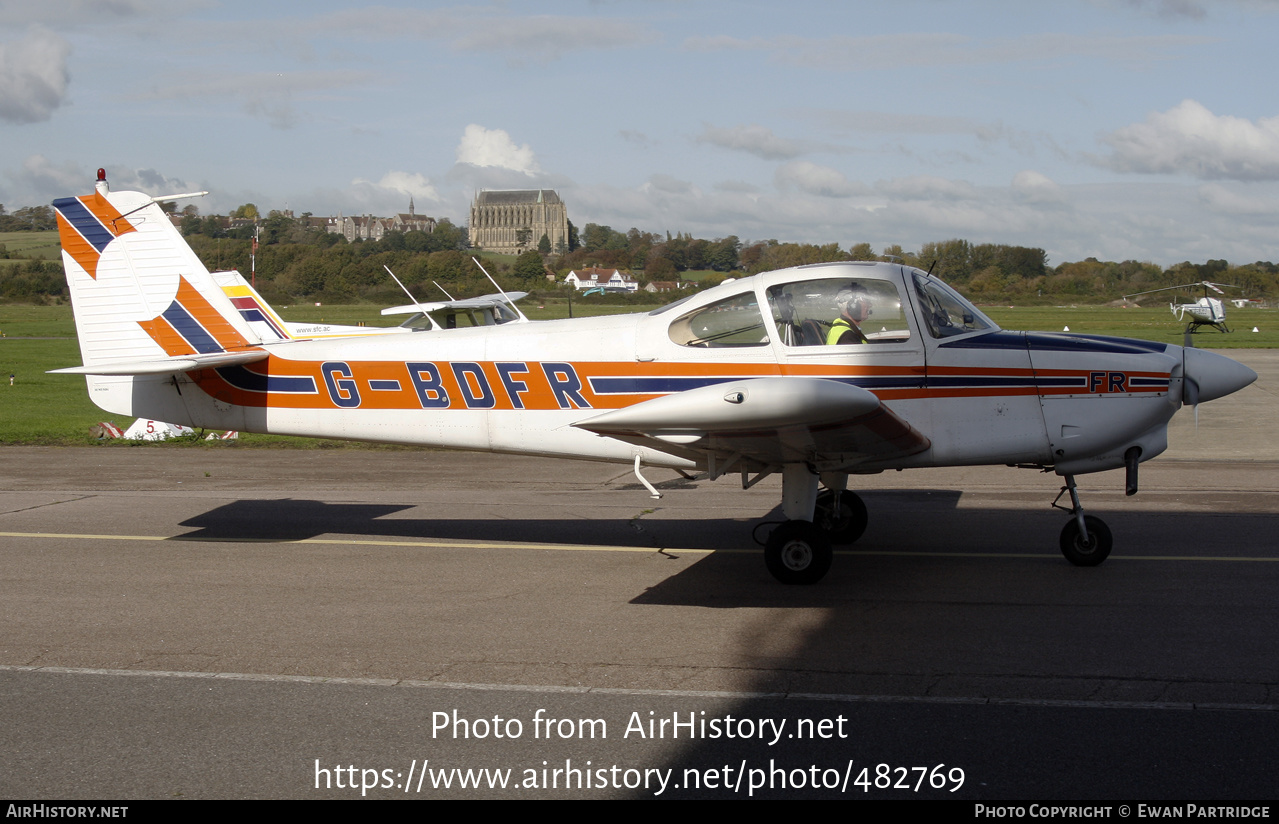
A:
{"x": 297, "y": 259}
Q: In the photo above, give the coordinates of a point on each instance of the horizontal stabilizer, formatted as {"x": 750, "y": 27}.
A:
{"x": 165, "y": 366}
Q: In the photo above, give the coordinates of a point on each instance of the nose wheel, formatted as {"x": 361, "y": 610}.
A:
{"x": 1085, "y": 539}
{"x": 1086, "y": 550}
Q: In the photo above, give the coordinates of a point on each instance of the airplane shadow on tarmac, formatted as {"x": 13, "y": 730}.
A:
{"x": 302, "y": 519}
{"x": 979, "y": 644}
{"x": 912, "y": 533}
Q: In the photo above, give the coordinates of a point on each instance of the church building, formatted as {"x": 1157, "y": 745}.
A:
{"x": 514, "y": 221}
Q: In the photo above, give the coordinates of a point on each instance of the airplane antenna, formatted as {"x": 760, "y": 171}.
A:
{"x": 401, "y": 285}
{"x": 429, "y": 319}
{"x": 162, "y": 199}
{"x": 499, "y": 289}
{"x": 445, "y": 291}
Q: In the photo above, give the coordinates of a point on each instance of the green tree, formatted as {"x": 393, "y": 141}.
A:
{"x": 529, "y": 269}
{"x": 32, "y": 218}
{"x": 861, "y": 251}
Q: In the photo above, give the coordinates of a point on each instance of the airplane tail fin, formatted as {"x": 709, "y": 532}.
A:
{"x": 141, "y": 297}
{"x": 253, "y": 308}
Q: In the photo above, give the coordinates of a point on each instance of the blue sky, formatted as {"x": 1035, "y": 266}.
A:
{"x": 1121, "y": 129}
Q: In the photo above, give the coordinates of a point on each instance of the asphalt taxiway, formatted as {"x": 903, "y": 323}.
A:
{"x": 179, "y": 622}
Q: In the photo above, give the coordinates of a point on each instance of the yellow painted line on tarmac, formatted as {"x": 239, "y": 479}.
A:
{"x": 362, "y": 542}
{"x": 601, "y": 548}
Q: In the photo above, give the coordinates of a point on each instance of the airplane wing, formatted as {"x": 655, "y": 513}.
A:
{"x": 482, "y": 302}
{"x": 164, "y": 366}
{"x": 770, "y": 420}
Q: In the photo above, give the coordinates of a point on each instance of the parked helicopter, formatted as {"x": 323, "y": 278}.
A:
{"x": 1207, "y": 311}
{"x": 817, "y": 372}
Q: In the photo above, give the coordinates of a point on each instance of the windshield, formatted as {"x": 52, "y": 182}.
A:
{"x": 946, "y": 313}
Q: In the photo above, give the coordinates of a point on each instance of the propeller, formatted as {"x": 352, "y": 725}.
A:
{"x": 1207, "y": 376}
{"x": 1190, "y": 395}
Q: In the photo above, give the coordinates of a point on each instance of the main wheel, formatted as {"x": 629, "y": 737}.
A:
{"x": 1086, "y": 553}
{"x": 798, "y": 552}
{"x": 845, "y": 525}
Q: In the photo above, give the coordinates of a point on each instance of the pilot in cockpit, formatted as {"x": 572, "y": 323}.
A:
{"x": 853, "y": 303}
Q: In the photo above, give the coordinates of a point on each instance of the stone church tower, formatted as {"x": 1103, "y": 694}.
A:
{"x": 498, "y": 218}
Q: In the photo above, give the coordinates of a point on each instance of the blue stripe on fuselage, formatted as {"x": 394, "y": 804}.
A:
{"x": 242, "y": 378}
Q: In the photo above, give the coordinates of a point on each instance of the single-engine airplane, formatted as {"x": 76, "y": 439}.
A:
{"x": 755, "y": 376}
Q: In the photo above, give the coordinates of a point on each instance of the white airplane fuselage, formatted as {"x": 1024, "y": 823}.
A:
{"x": 987, "y": 396}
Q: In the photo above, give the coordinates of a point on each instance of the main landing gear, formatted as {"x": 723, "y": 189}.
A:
{"x": 799, "y": 550}
{"x": 1085, "y": 539}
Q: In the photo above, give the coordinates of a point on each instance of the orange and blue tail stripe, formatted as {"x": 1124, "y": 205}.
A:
{"x": 192, "y": 325}
{"x": 86, "y": 225}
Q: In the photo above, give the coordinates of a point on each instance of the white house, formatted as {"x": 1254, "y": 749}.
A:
{"x": 594, "y": 278}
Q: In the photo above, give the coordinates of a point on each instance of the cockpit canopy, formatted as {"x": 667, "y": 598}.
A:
{"x": 839, "y": 304}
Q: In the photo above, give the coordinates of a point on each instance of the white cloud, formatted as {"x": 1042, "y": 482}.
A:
{"x": 842, "y": 52}
{"x": 40, "y": 180}
{"x": 33, "y": 76}
{"x": 265, "y": 95}
{"x": 46, "y": 180}
{"x": 64, "y": 13}
{"x": 398, "y": 186}
{"x": 1169, "y": 9}
{"x": 1221, "y": 200}
{"x": 1032, "y": 187}
{"x": 898, "y": 123}
{"x": 667, "y": 185}
{"x": 544, "y": 38}
{"x": 1189, "y": 139}
{"x": 752, "y": 139}
{"x": 144, "y": 180}
{"x": 522, "y": 40}
{"x": 926, "y": 187}
{"x": 812, "y": 179}
{"x": 494, "y": 147}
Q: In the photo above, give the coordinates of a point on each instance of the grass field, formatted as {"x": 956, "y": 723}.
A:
{"x": 41, "y": 245}
{"x": 1155, "y": 323}
{"x": 55, "y": 409}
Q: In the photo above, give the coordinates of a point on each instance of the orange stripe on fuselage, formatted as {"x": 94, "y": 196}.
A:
{"x": 532, "y": 389}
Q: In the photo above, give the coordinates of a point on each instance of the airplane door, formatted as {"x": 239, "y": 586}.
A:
{"x": 884, "y": 354}
{"x": 981, "y": 390}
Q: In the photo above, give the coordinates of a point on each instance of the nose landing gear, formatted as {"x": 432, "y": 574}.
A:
{"x": 1085, "y": 539}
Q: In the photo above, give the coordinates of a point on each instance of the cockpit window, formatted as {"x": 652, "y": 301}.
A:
{"x": 733, "y": 321}
{"x": 838, "y": 311}
{"x": 945, "y": 312}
